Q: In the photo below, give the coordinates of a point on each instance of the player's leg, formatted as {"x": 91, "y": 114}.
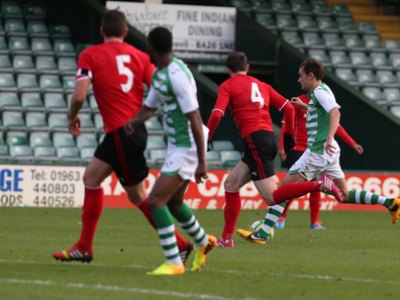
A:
{"x": 280, "y": 223}
{"x": 187, "y": 220}
{"x": 239, "y": 176}
{"x": 368, "y": 198}
{"x": 96, "y": 171}
{"x": 315, "y": 206}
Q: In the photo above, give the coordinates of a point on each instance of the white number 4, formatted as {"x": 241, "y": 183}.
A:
{"x": 123, "y": 70}
{"x": 256, "y": 95}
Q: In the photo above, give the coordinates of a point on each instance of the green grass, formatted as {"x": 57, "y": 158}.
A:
{"x": 356, "y": 258}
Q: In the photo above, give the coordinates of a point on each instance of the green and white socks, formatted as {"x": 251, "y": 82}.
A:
{"x": 272, "y": 216}
{"x": 364, "y": 197}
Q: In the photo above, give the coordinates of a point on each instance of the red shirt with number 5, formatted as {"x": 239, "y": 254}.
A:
{"x": 117, "y": 71}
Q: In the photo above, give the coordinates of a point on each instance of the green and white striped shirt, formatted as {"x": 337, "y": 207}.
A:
{"x": 321, "y": 102}
{"x": 174, "y": 89}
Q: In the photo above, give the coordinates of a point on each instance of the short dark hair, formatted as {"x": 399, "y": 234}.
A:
{"x": 312, "y": 65}
{"x": 160, "y": 39}
{"x": 113, "y": 23}
{"x": 236, "y": 61}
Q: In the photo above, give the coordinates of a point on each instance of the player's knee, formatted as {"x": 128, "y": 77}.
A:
{"x": 231, "y": 184}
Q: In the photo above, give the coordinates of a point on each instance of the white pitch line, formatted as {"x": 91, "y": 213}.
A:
{"x": 116, "y": 288}
{"x": 227, "y": 271}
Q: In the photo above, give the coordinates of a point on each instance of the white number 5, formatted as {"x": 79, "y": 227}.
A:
{"x": 123, "y": 70}
{"x": 256, "y": 95}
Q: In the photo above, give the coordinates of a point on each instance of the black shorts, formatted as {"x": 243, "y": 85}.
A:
{"x": 259, "y": 151}
{"x": 125, "y": 153}
{"x": 292, "y": 157}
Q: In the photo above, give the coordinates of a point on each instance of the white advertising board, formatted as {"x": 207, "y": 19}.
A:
{"x": 205, "y": 32}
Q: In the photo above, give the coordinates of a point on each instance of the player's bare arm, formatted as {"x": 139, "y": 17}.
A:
{"x": 297, "y": 101}
{"x": 197, "y": 129}
{"x": 144, "y": 114}
{"x": 77, "y": 100}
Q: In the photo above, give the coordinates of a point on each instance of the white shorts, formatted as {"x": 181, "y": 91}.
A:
{"x": 183, "y": 161}
{"x": 312, "y": 165}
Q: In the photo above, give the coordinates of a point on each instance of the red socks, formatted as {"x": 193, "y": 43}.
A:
{"x": 315, "y": 204}
{"x": 180, "y": 241}
{"x": 91, "y": 211}
{"x": 295, "y": 190}
{"x": 231, "y": 214}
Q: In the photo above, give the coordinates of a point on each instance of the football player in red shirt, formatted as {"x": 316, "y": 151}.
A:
{"x": 249, "y": 100}
{"x": 300, "y": 138}
{"x": 117, "y": 72}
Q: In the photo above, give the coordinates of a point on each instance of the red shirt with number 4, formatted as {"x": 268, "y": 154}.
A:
{"x": 117, "y": 71}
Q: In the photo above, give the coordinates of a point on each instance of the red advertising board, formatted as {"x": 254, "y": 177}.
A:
{"x": 210, "y": 195}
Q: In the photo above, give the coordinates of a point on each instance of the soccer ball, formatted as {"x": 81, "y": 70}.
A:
{"x": 258, "y": 224}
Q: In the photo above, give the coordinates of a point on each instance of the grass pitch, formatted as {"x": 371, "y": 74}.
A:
{"x": 356, "y": 258}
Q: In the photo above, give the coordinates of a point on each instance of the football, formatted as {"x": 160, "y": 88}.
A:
{"x": 257, "y": 225}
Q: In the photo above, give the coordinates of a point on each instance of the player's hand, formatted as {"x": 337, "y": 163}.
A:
{"x": 288, "y": 142}
{"x": 130, "y": 126}
{"x": 74, "y": 125}
{"x": 297, "y": 101}
{"x": 358, "y": 148}
{"x": 201, "y": 172}
{"x": 330, "y": 147}
{"x": 282, "y": 154}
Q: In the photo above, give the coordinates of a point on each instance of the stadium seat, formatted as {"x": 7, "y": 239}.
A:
{"x": 3, "y": 45}
{"x": 326, "y": 24}
{"x": 340, "y": 59}
{"x": 21, "y": 152}
{"x": 293, "y": 38}
{"x": 340, "y": 10}
{"x": 39, "y": 139}
{"x": 286, "y": 22}
{"x": 313, "y": 40}
{"x": 392, "y": 96}
{"x": 86, "y": 141}
{"x": 367, "y": 78}
{"x": 23, "y": 64}
{"x": 387, "y": 79}
{"x": 50, "y": 83}
{"x": 31, "y": 101}
{"x": 353, "y": 42}
{"x": 64, "y": 48}
{"x": 15, "y": 27}
{"x": 37, "y": 29}
{"x": 7, "y": 83}
{"x": 44, "y": 154}
{"x": 93, "y": 104}
{"x": 36, "y": 120}
{"x": 13, "y": 120}
{"x": 392, "y": 45}
{"x": 301, "y": 8}
{"x": 10, "y": 10}
{"x": 9, "y": 101}
{"x": 58, "y": 121}
{"x": 4, "y": 155}
{"x": 67, "y": 65}
{"x": 222, "y": 145}
{"x": 333, "y": 41}
{"x": 86, "y": 122}
{"x": 307, "y": 23}
{"x": 87, "y": 153}
{"x": 5, "y": 64}
{"x": 367, "y": 28}
{"x": 347, "y": 75}
{"x": 60, "y": 31}
{"x": 213, "y": 160}
{"x": 346, "y": 26}
{"x": 55, "y": 102}
{"x": 34, "y": 12}
{"x": 267, "y": 20}
{"x": 360, "y": 60}
{"x": 260, "y": 6}
{"x": 375, "y": 94}
{"x": 63, "y": 139}
{"x": 19, "y": 45}
{"x": 68, "y": 153}
{"x": 27, "y": 83}
{"x": 395, "y": 110}
{"x": 157, "y": 157}
{"x": 68, "y": 83}
{"x": 321, "y": 56}
{"x": 395, "y": 59}
{"x": 17, "y": 138}
{"x": 41, "y": 46}
{"x": 320, "y": 9}
{"x": 153, "y": 125}
{"x": 229, "y": 158}
{"x": 281, "y": 7}
{"x": 381, "y": 61}
{"x": 243, "y": 5}
{"x": 156, "y": 142}
{"x": 373, "y": 43}
{"x": 98, "y": 122}
{"x": 46, "y": 65}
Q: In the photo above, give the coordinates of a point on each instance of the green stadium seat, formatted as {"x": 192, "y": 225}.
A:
{"x": 23, "y": 64}
{"x": 243, "y": 5}
{"x": 5, "y": 64}
{"x": 37, "y": 29}
{"x": 50, "y": 83}
{"x": 67, "y": 65}
{"x": 293, "y": 38}
{"x": 260, "y": 6}
{"x": 320, "y": 9}
{"x": 3, "y": 46}
{"x": 44, "y": 154}
{"x": 11, "y": 10}
{"x": 229, "y": 158}
{"x": 346, "y": 26}
{"x": 27, "y": 83}
{"x": 19, "y": 45}
{"x": 41, "y": 46}
{"x": 360, "y": 60}
{"x": 307, "y": 23}
{"x": 36, "y": 121}
{"x": 395, "y": 59}
{"x": 340, "y": 59}
{"x": 60, "y": 31}
{"x": 68, "y": 83}
{"x": 367, "y": 28}
{"x": 301, "y": 8}
{"x": 156, "y": 142}
{"x": 34, "y": 12}
{"x": 13, "y": 120}
{"x": 346, "y": 75}
{"x": 46, "y": 65}
{"x": 86, "y": 140}
{"x": 37, "y": 139}
{"x": 333, "y": 41}
{"x": 381, "y": 61}
{"x": 313, "y": 40}
{"x": 387, "y": 78}
{"x": 286, "y": 22}
{"x": 68, "y": 153}
{"x": 86, "y": 122}
{"x": 353, "y": 42}
{"x": 392, "y": 95}
{"x": 63, "y": 139}
{"x": 7, "y": 83}
{"x": 31, "y": 101}
{"x": 17, "y": 138}
{"x": 21, "y": 153}
{"x": 58, "y": 121}
{"x": 326, "y": 24}
{"x": 267, "y": 20}
{"x": 9, "y": 100}
{"x": 55, "y": 102}
{"x": 64, "y": 48}
{"x": 373, "y": 43}
{"x": 281, "y": 7}
{"x": 392, "y": 45}
{"x": 374, "y": 94}
{"x": 222, "y": 145}
{"x": 87, "y": 153}
{"x": 15, "y": 27}
{"x": 340, "y": 10}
